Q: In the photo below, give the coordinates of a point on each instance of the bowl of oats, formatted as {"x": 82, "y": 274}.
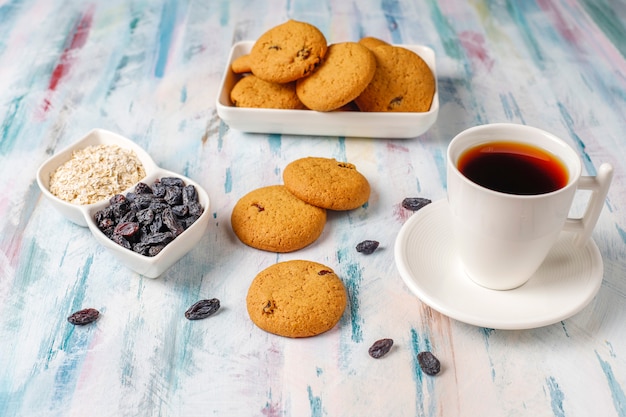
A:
{"x": 95, "y": 168}
{"x": 146, "y": 216}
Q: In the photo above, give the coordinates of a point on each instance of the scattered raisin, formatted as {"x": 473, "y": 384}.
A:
{"x": 380, "y": 348}
{"x": 203, "y": 309}
{"x": 429, "y": 363}
{"x": 415, "y": 203}
{"x": 324, "y": 272}
{"x": 85, "y": 316}
{"x": 367, "y": 246}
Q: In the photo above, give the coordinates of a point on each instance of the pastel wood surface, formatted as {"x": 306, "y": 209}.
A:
{"x": 150, "y": 71}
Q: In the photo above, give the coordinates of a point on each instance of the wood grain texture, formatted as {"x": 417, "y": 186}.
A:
{"x": 150, "y": 71}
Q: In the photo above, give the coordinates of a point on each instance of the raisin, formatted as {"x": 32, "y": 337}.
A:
{"x": 188, "y": 221}
{"x": 304, "y": 53}
{"x": 189, "y": 195}
{"x": 169, "y": 220}
{"x": 142, "y": 201}
{"x": 126, "y": 229}
{"x": 121, "y": 208}
{"x": 157, "y": 224}
{"x": 203, "y": 309}
{"x": 117, "y": 198}
{"x": 161, "y": 238}
{"x": 429, "y": 363}
{"x": 143, "y": 188}
{"x": 180, "y": 211}
{"x": 269, "y": 307}
{"x": 195, "y": 209}
{"x": 172, "y": 182}
{"x": 145, "y": 216}
{"x": 120, "y": 240}
{"x": 129, "y": 217}
{"x": 85, "y": 316}
{"x": 158, "y": 205}
{"x": 415, "y": 203}
{"x": 367, "y": 246}
{"x": 155, "y": 250}
{"x": 380, "y": 348}
{"x": 395, "y": 103}
{"x": 324, "y": 272}
{"x": 173, "y": 195}
{"x": 158, "y": 190}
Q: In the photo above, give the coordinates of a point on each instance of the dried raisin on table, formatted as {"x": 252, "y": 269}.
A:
{"x": 85, "y": 316}
{"x": 367, "y": 246}
{"x": 415, "y": 203}
{"x": 380, "y": 348}
{"x": 429, "y": 363}
{"x": 203, "y": 309}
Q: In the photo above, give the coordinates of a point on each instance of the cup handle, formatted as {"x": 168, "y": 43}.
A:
{"x": 599, "y": 186}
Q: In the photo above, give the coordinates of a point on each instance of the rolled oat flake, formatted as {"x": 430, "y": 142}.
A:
{"x": 95, "y": 173}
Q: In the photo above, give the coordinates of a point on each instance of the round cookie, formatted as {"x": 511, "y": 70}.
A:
{"x": 296, "y": 299}
{"x": 287, "y": 52}
{"x": 272, "y": 219}
{"x": 403, "y": 82}
{"x": 326, "y": 183}
{"x": 347, "y": 69}
{"x": 371, "y": 42}
{"x": 251, "y": 91}
{"x": 241, "y": 64}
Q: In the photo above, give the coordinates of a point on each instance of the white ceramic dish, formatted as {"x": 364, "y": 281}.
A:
{"x": 566, "y": 282}
{"x": 83, "y": 215}
{"x": 338, "y": 123}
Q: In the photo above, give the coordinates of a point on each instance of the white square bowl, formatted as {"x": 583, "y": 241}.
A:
{"x": 337, "y": 123}
{"x": 83, "y": 215}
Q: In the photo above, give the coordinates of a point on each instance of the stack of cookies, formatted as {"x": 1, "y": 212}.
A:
{"x": 287, "y": 217}
{"x": 297, "y": 298}
{"x": 291, "y": 66}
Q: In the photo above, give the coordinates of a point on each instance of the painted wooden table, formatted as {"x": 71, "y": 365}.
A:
{"x": 150, "y": 71}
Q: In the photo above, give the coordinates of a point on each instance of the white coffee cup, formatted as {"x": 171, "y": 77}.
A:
{"x": 502, "y": 238}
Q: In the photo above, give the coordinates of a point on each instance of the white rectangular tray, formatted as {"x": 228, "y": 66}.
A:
{"x": 313, "y": 123}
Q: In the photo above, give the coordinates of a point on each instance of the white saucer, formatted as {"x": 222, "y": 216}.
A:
{"x": 566, "y": 282}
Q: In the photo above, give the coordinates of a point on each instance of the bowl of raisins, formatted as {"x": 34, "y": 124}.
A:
{"x": 147, "y": 226}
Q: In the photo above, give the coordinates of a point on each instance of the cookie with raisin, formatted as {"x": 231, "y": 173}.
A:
{"x": 287, "y": 52}
{"x": 327, "y": 183}
{"x": 347, "y": 69}
{"x": 274, "y": 220}
{"x": 403, "y": 82}
{"x": 251, "y": 91}
{"x": 296, "y": 298}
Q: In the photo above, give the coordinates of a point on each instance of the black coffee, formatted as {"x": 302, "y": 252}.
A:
{"x": 513, "y": 168}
